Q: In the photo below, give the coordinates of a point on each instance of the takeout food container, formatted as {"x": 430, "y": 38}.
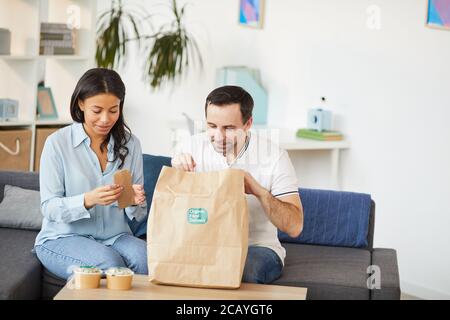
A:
{"x": 119, "y": 278}
{"x": 87, "y": 277}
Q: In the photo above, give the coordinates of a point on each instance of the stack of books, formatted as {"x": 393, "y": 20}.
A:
{"x": 56, "y": 38}
{"x": 5, "y": 41}
{"x": 320, "y": 135}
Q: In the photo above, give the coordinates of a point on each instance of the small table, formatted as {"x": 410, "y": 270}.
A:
{"x": 143, "y": 289}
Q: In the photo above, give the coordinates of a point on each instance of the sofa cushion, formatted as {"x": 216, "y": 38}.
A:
{"x": 333, "y": 218}
{"x": 152, "y": 168}
{"x": 328, "y": 272}
{"x": 51, "y": 285}
{"x": 20, "y": 209}
{"x": 26, "y": 180}
{"x": 20, "y": 268}
{"x": 386, "y": 261}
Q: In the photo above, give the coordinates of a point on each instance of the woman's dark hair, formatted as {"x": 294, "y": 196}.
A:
{"x": 227, "y": 95}
{"x": 97, "y": 81}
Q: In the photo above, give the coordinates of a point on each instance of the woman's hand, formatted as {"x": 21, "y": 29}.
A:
{"x": 103, "y": 196}
{"x": 139, "y": 194}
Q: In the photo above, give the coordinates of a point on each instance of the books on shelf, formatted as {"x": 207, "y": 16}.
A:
{"x": 55, "y": 36}
{"x": 5, "y": 41}
{"x": 56, "y": 39}
{"x": 56, "y": 51}
{"x": 319, "y": 135}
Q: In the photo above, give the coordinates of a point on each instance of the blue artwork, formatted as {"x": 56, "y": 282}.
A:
{"x": 251, "y": 13}
{"x": 439, "y": 14}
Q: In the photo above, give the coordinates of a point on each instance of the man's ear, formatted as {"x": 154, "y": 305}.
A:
{"x": 249, "y": 123}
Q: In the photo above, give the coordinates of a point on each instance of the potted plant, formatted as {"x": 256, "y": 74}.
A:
{"x": 169, "y": 51}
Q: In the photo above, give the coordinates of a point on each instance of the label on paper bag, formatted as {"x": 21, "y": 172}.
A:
{"x": 197, "y": 216}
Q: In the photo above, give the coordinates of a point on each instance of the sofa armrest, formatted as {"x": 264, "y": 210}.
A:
{"x": 386, "y": 260}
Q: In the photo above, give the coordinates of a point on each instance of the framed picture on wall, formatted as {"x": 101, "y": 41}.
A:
{"x": 438, "y": 14}
{"x": 251, "y": 13}
{"x": 46, "y": 107}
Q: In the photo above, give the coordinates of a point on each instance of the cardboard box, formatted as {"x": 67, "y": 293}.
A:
{"x": 15, "y": 150}
{"x": 41, "y": 136}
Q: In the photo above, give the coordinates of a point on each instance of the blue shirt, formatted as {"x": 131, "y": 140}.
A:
{"x": 68, "y": 169}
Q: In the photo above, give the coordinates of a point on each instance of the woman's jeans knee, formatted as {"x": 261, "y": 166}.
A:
{"x": 60, "y": 256}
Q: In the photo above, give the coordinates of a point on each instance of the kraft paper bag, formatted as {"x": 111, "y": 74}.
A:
{"x": 123, "y": 178}
{"x": 197, "y": 231}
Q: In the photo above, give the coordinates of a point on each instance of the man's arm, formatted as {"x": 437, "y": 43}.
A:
{"x": 286, "y": 213}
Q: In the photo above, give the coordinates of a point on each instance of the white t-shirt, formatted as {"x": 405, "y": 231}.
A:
{"x": 266, "y": 162}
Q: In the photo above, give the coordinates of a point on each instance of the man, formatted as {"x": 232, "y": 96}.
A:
{"x": 270, "y": 179}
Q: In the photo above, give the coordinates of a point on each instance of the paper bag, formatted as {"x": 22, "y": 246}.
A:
{"x": 123, "y": 178}
{"x": 197, "y": 231}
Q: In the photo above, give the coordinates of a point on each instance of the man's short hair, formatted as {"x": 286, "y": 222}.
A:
{"x": 227, "y": 95}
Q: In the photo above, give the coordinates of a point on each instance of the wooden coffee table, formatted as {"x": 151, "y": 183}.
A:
{"x": 144, "y": 290}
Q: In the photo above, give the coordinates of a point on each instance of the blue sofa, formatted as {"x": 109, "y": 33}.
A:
{"x": 331, "y": 268}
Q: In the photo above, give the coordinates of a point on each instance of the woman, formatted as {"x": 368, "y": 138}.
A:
{"x": 83, "y": 224}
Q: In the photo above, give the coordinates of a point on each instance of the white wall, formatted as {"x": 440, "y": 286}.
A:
{"x": 389, "y": 89}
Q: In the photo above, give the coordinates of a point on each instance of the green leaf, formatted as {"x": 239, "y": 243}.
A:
{"x": 169, "y": 52}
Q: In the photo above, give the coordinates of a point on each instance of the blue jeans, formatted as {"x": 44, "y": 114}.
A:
{"x": 263, "y": 265}
{"x": 60, "y": 256}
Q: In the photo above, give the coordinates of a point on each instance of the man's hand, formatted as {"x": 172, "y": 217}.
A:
{"x": 252, "y": 186}
{"x": 184, "y": 161}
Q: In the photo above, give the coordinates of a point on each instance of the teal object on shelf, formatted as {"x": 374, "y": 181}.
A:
{"x": 319, "y": 119}
{"x": 249, "y": 79}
